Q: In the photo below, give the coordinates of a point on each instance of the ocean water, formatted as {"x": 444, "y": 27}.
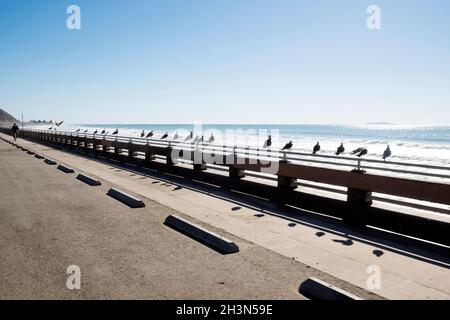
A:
{"x": 408, "y": 143}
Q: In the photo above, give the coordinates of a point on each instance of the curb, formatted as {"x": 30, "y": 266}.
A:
{"x": 65, "y": 169}
{"x": 90, "y": 181}
{"x": 316, "y": 289}
{"x": 125, "y": 198}
{"x": 208, "y": 238}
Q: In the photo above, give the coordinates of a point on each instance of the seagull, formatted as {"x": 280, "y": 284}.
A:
{"x": 340, "y": 150}
{"x": 116, "y": 132}
{"x": 288, "y": 146}
{"x": 85, "y": 131}
{"x": 165, "y": 135}
{"x": 268, "y": 142}
{"x": 362, "y": 152}
{"x": 103, "y": 132}
{"x": 59, "y": 123}
{"x": 357, "y": 150}
{"x": 96, "y": 131}
{"x": 175, "y": 137}
{"x": 387, "y": 153}
{"x": 197, "y": 139}
{"x": 78, "y": 130}
{"x": 149, "y": 134}
{"x": 142, "y": 133}
{"x": 211, "y": 138}
{"x": 190, "y": 136}
{"x": 51, "y": 128}
{"x": 316, "y": 148}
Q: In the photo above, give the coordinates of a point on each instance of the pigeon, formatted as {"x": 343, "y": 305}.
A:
{"x": 96, "y": 131}
{"x": 175, "y": 137}
{"x": 142, "y": 133}
{"x": 165, "y": 135}
{"x": 211, "y": 138}
{"x": 340, "y": 150}
{"x": 357, "y": 150}
{"x": 78, "y": 130}
{"x": 104, "y": 131}
{"x": 362, "y": 152}
{"x": 288, "y": 146}
{"x": 268, "y": 142}
{"x": 387, "y": 153}
{"x": 116, "y": 132}
{"x": 59, "y": 123}
{"x": 150, "y": 134}
{"x": 316, "y": 148}
{"x": 189, "y": 137}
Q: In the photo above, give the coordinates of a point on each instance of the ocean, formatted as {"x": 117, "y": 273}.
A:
{"x": 408, "y": 143}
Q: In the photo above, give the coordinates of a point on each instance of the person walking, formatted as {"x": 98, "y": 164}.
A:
{"x": 15, "y": 131}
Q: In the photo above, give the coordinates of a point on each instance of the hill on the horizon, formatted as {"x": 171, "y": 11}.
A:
{"x": 5, "y": 117}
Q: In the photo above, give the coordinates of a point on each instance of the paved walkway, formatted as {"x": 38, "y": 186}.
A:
{"x": 326, "y": 246}
{"x": 49, "y": 221}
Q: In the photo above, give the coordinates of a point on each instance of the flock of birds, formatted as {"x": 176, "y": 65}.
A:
{"x": 359, "y": 152}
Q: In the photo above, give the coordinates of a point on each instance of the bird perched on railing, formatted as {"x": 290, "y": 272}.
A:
{"x": 51, "y": 128}
{"x": 142, "y": 133}
{"x": 59, "y": 123}
{"x": 316, "y": 148}
{"x": 116, "y": 131}
{"x": 104, "y": 131}
{"x": 85, "y": 131}
{"x": 362, "y": 152}
{"x": 165, "y": 135}
{"x": 387, "y": 153}
{"x": 150, "y": 134}
{"x": 190, "y": 136}
{"x": 78, "y": 130}
{"x": 357, "y": 150}
{"x": 96, "y": 131}
{"x": 211, "y": 138}
{"x": 268, "y": 142}
{"x": 288, "y": 146}
{"x": 197, "y": 139}
{"x": 340, "y": 149}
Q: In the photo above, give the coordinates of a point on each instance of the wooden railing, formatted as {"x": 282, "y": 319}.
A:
{"x": 239, "y": 160}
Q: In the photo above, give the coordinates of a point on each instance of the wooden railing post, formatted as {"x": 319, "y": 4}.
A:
{"x": 285, "y": 182}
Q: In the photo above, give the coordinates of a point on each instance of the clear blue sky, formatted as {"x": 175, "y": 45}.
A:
{"x": 226, "y": 61}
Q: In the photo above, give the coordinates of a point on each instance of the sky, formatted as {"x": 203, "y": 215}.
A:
{"x": 226, "y": 61}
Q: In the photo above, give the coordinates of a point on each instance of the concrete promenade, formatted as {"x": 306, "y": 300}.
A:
{"x": 49, "y": 220}
{"x": 312, "y": 246}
